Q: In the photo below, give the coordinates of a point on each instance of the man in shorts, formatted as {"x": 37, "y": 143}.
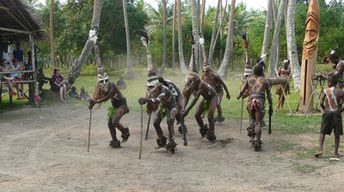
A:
{"x": 331, "y": 103}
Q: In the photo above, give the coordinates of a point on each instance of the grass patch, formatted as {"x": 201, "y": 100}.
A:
{"x": 136, "y": 88}
{"x": 305, "y": 168}
{"x": 283, "y": 145}
{"x": 305, "y": 153}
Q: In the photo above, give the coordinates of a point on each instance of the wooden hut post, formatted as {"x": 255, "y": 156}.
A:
{"x": 309, "y": 57}
{"x": 32, "y": 90}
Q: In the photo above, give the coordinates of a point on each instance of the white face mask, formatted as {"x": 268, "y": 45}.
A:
{"x": 104, "y": 82}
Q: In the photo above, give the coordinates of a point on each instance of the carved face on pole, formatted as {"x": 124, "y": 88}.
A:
{"x": 312, "y": 33}
{"x": 103, "y": 81}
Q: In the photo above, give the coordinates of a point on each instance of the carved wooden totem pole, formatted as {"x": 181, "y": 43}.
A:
{"x": 309, "y": 57}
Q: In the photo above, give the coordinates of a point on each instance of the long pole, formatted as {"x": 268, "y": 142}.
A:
{"x": 89, "y": 132}
{"x": 141, "y": 132}
{"x": 241, "y": 113}
{"x": 149, "y": 118}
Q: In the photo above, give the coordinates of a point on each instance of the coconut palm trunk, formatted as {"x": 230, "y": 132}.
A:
{"x": 127, "y": 37}
{"x": 194, "y": 61}
{"x": 229, "y": 45}
{"x": 163, "y": 64}
{"x": 92, "y": 39}
{"x": 217, "y": 31}
{"x": 268, "y": 26}
{"x": 180, "y": 38}
{"x": 291, "y": 44}
{"x": 273, "y": 60}
{"x": 52, "y": 36}
{"x": 213, "y": 34}
{"x": 201, "y": 29}
{"x": 174, "y": 38}
{"x": 146, "y": 44}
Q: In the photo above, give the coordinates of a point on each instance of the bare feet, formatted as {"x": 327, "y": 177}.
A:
{"x": 318, "y": 154}
{"x": 337, "y": 155}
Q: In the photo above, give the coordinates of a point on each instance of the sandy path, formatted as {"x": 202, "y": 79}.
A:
{"x": 45, "y": 150}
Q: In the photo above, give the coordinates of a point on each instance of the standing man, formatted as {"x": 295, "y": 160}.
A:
{"x": 337, "y": 65}
{"x": 162, "y": 96}
{"x": 194, "y": 85}
{"x": 331, "y": 103}
{"x": 283, "y": 89}
{"x": 18, "y": 53}
{"x": 213, "y": 79}
{"x": 106, "y": 90}
{"x": 257, "y": 86}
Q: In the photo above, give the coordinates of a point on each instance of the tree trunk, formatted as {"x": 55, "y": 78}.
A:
{"x": 129, "y": 72}
{"x": 164, "y": 38}
{"x": 193, "y": 66}
{"x": 229, "y": 45}
{"x": 146, "y": 44}
{"x": 201, "y": 30}
{"x": 268, "y": 26}
{"x": 52, "y": 37}
{"x": 218, "y": 32}
{"x": 291, "y": 44}
{"x": 80, "y": 62}
{"x": 180, "y": 38}
{"x": 213, "y": 34}
{"x": 174, "y": 38}
{"x": 202, "y": 17}
{"x": 275, "y": 41}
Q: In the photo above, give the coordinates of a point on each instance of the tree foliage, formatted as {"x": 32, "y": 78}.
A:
{"x": 71, "y": 28}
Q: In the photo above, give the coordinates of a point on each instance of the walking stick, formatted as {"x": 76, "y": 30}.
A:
{"x": 149, "y": 118}
{"x": 89, "y": 132}
{"x": 141, "y": 132}
{"x": 242, "y": 109}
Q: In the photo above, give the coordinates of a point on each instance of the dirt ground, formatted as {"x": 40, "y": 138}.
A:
{"x": 45, "y": 149}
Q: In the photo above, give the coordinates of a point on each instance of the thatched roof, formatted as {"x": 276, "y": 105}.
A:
{"x": 18, "y": 20}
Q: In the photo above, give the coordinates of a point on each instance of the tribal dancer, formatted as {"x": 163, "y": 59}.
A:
{"x": 256, "y": 85}
{"x": 106, "y": 90}
{"x": 194, "y": 85}
{"x": 213, "y": 79}
{"x": 162, "y": 95}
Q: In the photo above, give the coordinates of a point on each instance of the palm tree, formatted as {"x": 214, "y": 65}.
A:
{"x": 174, "y": 37}
{"x": 127, "y": 35}
{"x": 291, "y": 44}
{"x": 164, "y": 38}
{"x": 275, "y": 41}
{"x": 216, "y": 29}
{"x": 213, "y": 34}
{"x": 268, "y": 26}
{"x": 229, "y": 44}
{"x": 201, "y": 28}
{"x": 193, "y": 66}
{"x": 180, "y": 37}
{"x": 52, "y": 38}
{"x": 80, "y": 62}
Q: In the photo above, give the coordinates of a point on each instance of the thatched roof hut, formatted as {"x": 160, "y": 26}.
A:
{"x": 19, "y": 21}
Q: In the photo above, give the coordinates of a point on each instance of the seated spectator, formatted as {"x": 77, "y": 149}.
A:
{"x": 6, "y": 77}
{"x": 57, "y": 84}
{"x": 84, "y": 95}
{"x": 42, "y": 79}
{"x": 73, "y": 94}
{"x": 15, "y": 67}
